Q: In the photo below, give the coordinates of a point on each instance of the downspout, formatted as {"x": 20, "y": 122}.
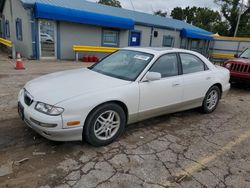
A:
{"x": 151, "y": 36}
{"x": 34, "y": 41}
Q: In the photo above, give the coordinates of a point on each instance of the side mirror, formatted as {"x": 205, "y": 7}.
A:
{"x": 236, "y": 55}
{"x": 152, "y": 76}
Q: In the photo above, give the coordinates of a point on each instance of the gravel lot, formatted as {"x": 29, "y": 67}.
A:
{"x": 186, "y": 149}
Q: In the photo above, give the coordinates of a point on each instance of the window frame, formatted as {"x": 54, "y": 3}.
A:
{"x": 178, "y": 62}
{"x": 117, "y": 37}
{"x": 206, "y": 68}
{"x": 19, "y": 29}
{"x": 7, "y": 28}
{"x": 165, "y": 37}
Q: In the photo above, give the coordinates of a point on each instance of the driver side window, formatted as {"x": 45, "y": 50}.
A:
{"x": 167, "y": 65}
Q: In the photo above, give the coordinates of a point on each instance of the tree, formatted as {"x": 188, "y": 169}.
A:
{"x": 178, "y": 13}
{"x": 160, "y": 13}
{"x": 230, "y": 10}
{"x": 201, "y": 17}
{"x": 113, "y": 3}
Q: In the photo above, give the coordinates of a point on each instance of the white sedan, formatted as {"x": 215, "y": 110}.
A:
{"x": 130, "y": 85}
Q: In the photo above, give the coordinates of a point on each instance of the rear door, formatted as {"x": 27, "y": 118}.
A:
{"x": 196, "y": 77}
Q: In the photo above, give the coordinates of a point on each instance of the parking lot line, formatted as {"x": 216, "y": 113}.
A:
{"x": 189, "y": 170}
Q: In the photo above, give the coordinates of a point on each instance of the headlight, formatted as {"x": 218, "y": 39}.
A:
{"x": 48, "y": 109}
{"x": 228, "y": 65}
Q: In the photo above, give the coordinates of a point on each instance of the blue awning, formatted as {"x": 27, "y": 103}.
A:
{"x": 51, "y": 12}
{"x": 197, "y": 34}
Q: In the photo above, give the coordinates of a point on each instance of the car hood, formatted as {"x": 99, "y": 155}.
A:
{"x": 240, "y": 60}
{"x": 56, "y": 87}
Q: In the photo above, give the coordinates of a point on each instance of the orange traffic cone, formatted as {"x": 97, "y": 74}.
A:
{"x": 19, "y": 63}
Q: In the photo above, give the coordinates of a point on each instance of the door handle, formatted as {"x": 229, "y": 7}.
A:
{"x": 208, "y": 78}
{"x": 176, "y": 84}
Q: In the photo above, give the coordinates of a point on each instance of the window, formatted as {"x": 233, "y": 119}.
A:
{"x": 123, "y": 64}
{"x": 191, "y": 64}
{"x": 184, "y": 43}
{"x": 194, "y": 44}
{"x": 7, "y": 28}
{"x": 167, "y": 65}
{"x": 19, "y": 32}
{"x": 168, "y": 41}
{"x": 110, "y": 38}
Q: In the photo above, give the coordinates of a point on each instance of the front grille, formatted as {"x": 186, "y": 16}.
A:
{"x": 27, "y": 98}
{"x": 239, "y": 67}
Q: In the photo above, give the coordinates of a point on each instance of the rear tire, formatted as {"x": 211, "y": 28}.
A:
{"x": 211, "y": 100}
{"x": 104, "y": 125}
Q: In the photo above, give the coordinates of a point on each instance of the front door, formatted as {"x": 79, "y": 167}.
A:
{"x": 47, "y": 39}
{"x": 135, "y": 38}
{"x": 161, "y": 96}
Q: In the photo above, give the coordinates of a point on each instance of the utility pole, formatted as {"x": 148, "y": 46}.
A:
{"x": 238, "y": 21}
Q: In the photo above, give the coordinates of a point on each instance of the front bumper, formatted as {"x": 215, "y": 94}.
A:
{"x": 240, "y": 77}
{"x": 57, "y": 133}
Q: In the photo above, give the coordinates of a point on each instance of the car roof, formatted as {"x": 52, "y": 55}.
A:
{"x": 157, "y": 50}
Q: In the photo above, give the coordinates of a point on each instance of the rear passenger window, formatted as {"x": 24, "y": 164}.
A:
{"x": 167, "y": 65}
{"x": 191, "y": 64}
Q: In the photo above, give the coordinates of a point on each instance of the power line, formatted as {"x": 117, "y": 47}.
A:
{"x": 132, "y": 5}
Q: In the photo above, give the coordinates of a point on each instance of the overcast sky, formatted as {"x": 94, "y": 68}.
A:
{"x": 166, "y": 5}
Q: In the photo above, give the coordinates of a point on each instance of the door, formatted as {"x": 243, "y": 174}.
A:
{"x": 161, "y": 96}
{"x": 196, "y": 77}
{"x": 135, "y": 38}
{"x": 47, "y": 39}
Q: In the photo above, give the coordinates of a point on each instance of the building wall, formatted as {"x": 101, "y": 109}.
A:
{"x": 145, "y": 34}
{"x": 79, "y": 34}
{"x": 229, "y": 47}
{"x": 88, "y": 35}
{"x": 158, "y": 41}
{"x": 13, "y": 9}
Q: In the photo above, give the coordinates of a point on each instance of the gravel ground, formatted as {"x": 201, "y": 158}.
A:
{"x": 186, "y": 149}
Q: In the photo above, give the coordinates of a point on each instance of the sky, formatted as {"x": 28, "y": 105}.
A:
{"x": 150, "y": 6}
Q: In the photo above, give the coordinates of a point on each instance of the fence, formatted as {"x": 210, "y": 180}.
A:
{"x": 9, "y": 44}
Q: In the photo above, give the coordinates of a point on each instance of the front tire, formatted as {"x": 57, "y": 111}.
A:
{"x": 211, "y": 100}
{"x": 104, "y": 125}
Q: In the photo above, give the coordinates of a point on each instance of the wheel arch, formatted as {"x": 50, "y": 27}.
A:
{"x": 120, "y": 103}
{"x": 219, "y": 85}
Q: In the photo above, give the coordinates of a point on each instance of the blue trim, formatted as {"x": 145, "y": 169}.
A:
{"x": 37, "y": 39}
{"x": 19, "y": 29}
{"x": 33, "y": 34}
{"x": 58, "y": 40}
{"x": 46, "y": 11}
{"x": 196, "y": 34}
{"x": 7, "y": 28}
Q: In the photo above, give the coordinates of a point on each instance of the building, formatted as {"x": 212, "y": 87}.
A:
{"x": 47, "y": 29}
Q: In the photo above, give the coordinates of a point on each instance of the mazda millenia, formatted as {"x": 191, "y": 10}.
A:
{"x": 96, "y": 103}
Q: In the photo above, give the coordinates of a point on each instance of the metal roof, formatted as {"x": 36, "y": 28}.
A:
{"x": 52, "y": 12}
{"x": 138, "y": 17}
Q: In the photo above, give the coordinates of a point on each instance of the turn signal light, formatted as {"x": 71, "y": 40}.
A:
{"x": 73, "y": 123}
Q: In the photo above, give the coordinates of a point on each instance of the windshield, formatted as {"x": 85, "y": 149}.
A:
{"x": 123, "y": 64}
{"x": 246, "y": 54}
